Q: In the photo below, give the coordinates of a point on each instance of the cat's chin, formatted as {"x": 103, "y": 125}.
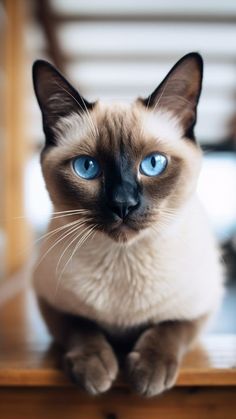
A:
{"x": 123, "y": 233}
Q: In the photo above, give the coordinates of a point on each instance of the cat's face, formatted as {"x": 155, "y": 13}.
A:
{"x": 128, "y": 167}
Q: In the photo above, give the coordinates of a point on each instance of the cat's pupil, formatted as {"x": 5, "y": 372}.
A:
{"x": 153, "y": 161}
{"x": 88, "y": 164}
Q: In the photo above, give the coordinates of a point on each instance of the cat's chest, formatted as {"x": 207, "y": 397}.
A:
{"x": 113, "y": 280}
{"x": 119, "y": 289}
{"x": 131, "y": 286}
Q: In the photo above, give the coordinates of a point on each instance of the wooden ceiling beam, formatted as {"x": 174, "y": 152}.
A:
{"x": 154, "y": 17}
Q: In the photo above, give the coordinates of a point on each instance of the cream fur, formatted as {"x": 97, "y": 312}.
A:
{"x": 71, "y": 129}
{"x": 155, "y": 278}
{"x": 162, "y": 124}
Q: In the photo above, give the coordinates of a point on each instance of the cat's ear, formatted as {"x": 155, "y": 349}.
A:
{"x": 56, "y": 97}
{"x": 179, "y": 92}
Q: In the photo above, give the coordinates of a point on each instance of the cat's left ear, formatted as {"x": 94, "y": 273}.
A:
{"x": 57, "y": 98}
{"x": 179, "y": 92}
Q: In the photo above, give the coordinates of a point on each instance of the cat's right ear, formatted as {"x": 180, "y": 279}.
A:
{"x": 179, "y": 92}
{"x": 57, "y": 98}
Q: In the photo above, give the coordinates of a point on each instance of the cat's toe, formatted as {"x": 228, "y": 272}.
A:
{"x": 150, "y": 376}
{"x": 95, "y": 372}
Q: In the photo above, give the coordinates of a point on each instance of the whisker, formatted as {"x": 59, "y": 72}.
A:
{"x": 65, "y": 215}
{"x": 167, "y": 218}
{"x": 77, "y": 245}
{"x": 47, "y": 235}
{"x": 71, "y": 230}
{"x": 171, "y": 211}
{"x": 57, "y": 212}
{"x": 172, "y": 214}
{"x": 160, "y": 229}
{"x": 56, "y": 230}
{"x": 64, "y": 251}
{"x": 67, "y": 211}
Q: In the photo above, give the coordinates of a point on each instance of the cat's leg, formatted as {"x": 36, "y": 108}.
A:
{"x": 153, "y": 364}
{"x": 89, "y": 358}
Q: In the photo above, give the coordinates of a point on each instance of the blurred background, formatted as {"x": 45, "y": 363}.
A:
{"x": 114, "y": 50}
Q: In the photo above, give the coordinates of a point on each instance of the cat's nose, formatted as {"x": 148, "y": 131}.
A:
{"x": 123, "y": 201}
{"x": 122, "y": 209}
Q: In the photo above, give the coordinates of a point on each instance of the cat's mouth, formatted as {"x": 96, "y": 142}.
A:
{"x": 123, "y": 230}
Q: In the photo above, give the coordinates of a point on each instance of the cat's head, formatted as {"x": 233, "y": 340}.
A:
{"x": 128, "y": 167}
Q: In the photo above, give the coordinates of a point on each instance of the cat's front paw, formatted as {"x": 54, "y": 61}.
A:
{"x": 150, "y": 373}
{"x": 95, "y": 370}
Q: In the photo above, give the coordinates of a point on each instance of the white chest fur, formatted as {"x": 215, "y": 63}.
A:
{"x": 152, "y": 279}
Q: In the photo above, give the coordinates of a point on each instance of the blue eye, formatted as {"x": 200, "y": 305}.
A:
{"x": 153, "y": 165}
{"x": 86, "y": 167}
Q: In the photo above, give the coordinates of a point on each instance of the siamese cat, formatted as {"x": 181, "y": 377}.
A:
{"x": 129, "y": 272}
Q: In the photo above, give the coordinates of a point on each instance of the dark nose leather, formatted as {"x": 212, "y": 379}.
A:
{"x": 124, "y": 200}
{"x": 122, "y": 209}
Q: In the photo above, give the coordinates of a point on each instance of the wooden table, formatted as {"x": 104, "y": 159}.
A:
{"x": 33, "y": 386}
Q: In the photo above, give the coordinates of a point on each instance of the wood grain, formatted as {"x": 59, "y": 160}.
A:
{"x": 29, "y": 358}
{"x": 180, "y": 403}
